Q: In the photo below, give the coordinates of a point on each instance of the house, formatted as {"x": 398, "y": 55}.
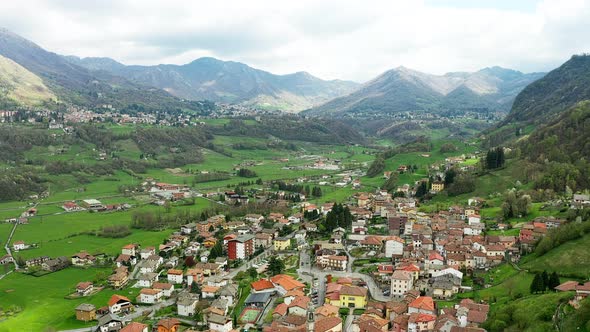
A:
{"x": 209, "y": 291}
{"x": 168, "y": 325}
{"x": 19, "y": 245}
{"x": 258, "y": 300}
{"x": 242, "y": 247}
{"x": 186, "y": 304}
{"x": 401, "y": 283}
{"x": 129, "y": 249}
{"x": 83, "y": 259}
{"x": 135, "y": 327}
{"x": 284, "y": 283}
{"x": 175, "y": 276}
{"x": 437, "y": 186}
{"x": 146, "y": 252}
{"x": 263, "y": 240}
{"x": 6, "y": 259}
{"x": 422, "y": 304}
{"x": 118, "y": 280}
{"x": 580, "y": 201}
{"x": 262, "y": 285}
{"x": 84, "y": 288}
{"x": 353, "y": 297}
{"x": 86, "y": 312}
{"x": 474, "y": 219}
{"x": 328, "y": 324}
{"x": 219, "y": 323}
{"x": 126, "y": 260}
{"x": 188, "y": 228}
{"x": 109, "y": 323}
{"x": 55, "y": 264}
{"x": 166, "y": 288}
{"x": 229, "y": 293}
{"x": 119, "y": 303}
{"x": 146, "y": 280}
{"x": 332, "y": 262}
{"x": 281, "y": 243}
{"x": 149, "y": 295}
{"x": 421, "y": 322}
{"x": 298, "y": 306}
{"x": 93, "y": 204}
{"x": 71, "y": 207}
{"x": 394, "y": 246}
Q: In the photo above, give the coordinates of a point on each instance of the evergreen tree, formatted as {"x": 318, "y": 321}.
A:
{"x": 216, "y": 251}
{"x": 537, "y": 284}
{"x": 275, "y": 266}
{"x": 545, "y": 277}
{"x": 553, "y": 281}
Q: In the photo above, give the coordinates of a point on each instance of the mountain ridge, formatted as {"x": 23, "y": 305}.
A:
{"x": 402, "y": 89}
{"x": 227, "y": 81}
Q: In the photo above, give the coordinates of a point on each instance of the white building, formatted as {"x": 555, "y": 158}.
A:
{"x": 187, "y": 304}
{"x": 219, "y": 323}
{"x": 401, "y": 283}
{"x": 149, "y": 295}
{"x": 394, "y": 246}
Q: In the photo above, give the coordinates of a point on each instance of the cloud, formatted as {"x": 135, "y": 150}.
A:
{"x": 345, "y": 39}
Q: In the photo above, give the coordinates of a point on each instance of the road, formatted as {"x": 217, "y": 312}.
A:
{"x": 374, "y": 290}
{"x": 349, "y": 320}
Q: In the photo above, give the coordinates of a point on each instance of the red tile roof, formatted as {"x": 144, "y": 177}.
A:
{"x": 423, "y": 302}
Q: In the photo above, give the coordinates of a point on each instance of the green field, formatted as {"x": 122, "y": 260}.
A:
{"x": 42, "y": 299}
{"x": 571, "y": 259}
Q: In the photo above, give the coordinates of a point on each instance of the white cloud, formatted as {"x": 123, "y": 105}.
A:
{"x": 346, "y": 39}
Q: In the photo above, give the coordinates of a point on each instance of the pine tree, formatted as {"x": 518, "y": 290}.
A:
{"x": 553, "y": 281}
{"x": 545, "y": 278}
{"x": 537, "y": 284}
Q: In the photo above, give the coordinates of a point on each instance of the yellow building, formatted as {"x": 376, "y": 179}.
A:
{"x": 353, "y": 297}
{"x": 438, "y": 186}
{"x": 281, "y": 243}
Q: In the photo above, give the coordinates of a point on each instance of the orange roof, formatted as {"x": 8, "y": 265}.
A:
{"x": 175, "y": 272}
{"x": 116, "y": 298}
{"x": 209, "y": 289}
{"x": 423, "y": 302}
{"x": 162, "y": 285}
{"x": 129, "y": 246}
{"x": 281, "y": 309}
{"x": 327, "y": 310}
{"x": 150, "y": 291}
{"x": 300, "y": 301}
{"x": 435, "y": 255}
{"x": 294, "y": 292}
{"x": 287, "y": 282}
{"x": 262, "y": 284}
{"x": 134, "y": 327}
{"x": 353, "y": 291}
{"x": 567, "y": 286}
{"x": 326, "y": 324}
{"x": 168, "y": 323}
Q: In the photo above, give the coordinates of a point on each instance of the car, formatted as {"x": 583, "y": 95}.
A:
{"x": 386, "y": 293}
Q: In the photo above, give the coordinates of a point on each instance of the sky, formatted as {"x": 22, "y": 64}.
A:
{"x": 332, "y": 39}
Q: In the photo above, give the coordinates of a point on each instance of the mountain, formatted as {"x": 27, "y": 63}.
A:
{"x": 77, "y": 85}
{"x": 402, "y": 90}
{"x": 227, "y": 81}
{"x": 18, "y": 86}
{"x": 558, "y": 90}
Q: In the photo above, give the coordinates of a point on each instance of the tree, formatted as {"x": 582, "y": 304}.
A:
{"x": 275, "y": 265}
{"x": 553, "y": 281}
{"x": 422, "y": 189}
{"x": 450, "y": 176}
{"x": 537, "y": 284}
{"x": 216, "y": 251}
{"x": 211, "y": 229}
{"x": 189, "y": 261}
{"x": 545, "y": 278}
{"x": 377, "y": 167}
{"x": 252, "y": 272}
